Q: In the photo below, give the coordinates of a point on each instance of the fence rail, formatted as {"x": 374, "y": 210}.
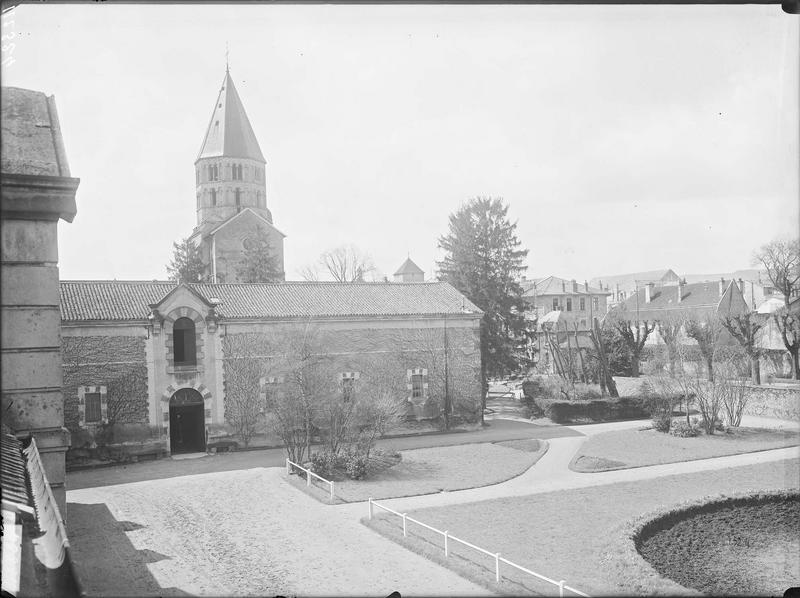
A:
{"x": 309, "y": 473}
{"x": 562, "y": 586}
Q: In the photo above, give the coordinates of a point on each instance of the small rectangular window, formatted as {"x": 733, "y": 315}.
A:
{"x": 93, "y": 408}
{"x": 417, "y": 386}
{"x": 555, "y": 303}
{"x": 583, "y": 303}
{"x": 595, "y": 303}
{"x": 348, "y": 389}
{"x": 569, "y": 303}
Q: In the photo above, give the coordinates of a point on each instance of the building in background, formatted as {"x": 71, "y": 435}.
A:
{"x": 230, "y": 176}
{"x": 37, "y": 192}
{"x": 622, "y": 286}
{"x": 409, "y": 272}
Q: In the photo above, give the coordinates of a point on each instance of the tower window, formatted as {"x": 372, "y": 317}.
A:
{"x": 197, "y": 177}
{"x": 213, "y": 197}
{"x": 257, "y": 173}
{"x": 237, "y": 170}
{"x": 184, "y": 346}
{"x": 237, "y": 193}
{"x": 258, "y": 199}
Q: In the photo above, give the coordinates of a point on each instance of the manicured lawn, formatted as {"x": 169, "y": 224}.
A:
{"x": 635, "y": 448}
{"x": 569, "y": 534}
{"x": 424, "y": 471}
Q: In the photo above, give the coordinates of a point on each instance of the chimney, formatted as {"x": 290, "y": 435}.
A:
{"x": 574, "y": 286}
{"x": 680, "y": 291}
{"x": 741, "y": 285}
{"x": 648, "y": 292}
{"x": 586, "y": 286}
{"x": 721, "y": 286}
{"x": 563, "y": 286}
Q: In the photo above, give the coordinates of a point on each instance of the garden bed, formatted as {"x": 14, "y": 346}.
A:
{"x": 622, "y": 449}
{"x": 731, "y": 546}
{"x": 573, "y": 534}
{"x": 440, "y": 469}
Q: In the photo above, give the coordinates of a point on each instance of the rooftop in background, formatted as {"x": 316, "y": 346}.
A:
{"x": 229, "y": 132}
{"x": 409, "y": 267}
{"x": 725, "y": 296}
{"x": 130, "y": 300}
{"x": 553, "y": 285}
{"x": 31, "y": 141}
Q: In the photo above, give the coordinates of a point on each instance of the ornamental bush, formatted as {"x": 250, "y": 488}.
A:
{"x": 685, "y": 430}
{"x": 595, "y": 410}
{"x": 355, "y": 465}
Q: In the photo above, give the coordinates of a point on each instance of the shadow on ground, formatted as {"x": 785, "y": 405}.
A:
{"x": 105, "y": 561}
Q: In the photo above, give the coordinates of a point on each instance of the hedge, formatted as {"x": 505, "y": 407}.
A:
{"x": 596, "y": 410}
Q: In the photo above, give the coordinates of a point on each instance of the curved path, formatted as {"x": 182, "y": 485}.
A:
{"x": 250, "y": 532}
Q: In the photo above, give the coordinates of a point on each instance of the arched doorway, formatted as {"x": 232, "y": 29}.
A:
{"x": 187, "y": 431}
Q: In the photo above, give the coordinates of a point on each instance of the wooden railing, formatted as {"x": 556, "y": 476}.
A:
{"x": 290, "y": 465}
{"x": 562, "y": 586}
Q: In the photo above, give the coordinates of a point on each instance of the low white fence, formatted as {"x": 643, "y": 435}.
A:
{"x": 562, "y": 586}
{"x": 309, "y": 473}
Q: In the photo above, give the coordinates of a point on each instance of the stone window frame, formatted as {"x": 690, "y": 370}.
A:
{"x": 583, "y": 303}
{"x": 199, "y": 341}
{"x": 569, "y": 303}
{"x": 348, "y": 394}
{"x": 410, "y": 383}
{"x": 82, "y": 392}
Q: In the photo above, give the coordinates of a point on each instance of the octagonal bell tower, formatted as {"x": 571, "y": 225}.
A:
{"x": 229, "y": 170}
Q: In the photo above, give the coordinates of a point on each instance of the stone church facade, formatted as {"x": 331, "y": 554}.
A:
{"x": 166, "y": 355}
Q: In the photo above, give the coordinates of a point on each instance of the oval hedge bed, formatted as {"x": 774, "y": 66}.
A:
{"x": 730, "y": 545}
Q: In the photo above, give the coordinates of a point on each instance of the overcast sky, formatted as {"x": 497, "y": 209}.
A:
{"x": 624, "y": 138}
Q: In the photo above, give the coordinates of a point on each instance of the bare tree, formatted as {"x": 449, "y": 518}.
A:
{"x": 781, "y": 259}
{"x": 669, "y": 327}
{"x": 347, "y": 263}
{"x": 745, "y": 328}
{"x": 706, "y": 331}
{"x": 600, "y": 354}
{"x": 634, "y": 334}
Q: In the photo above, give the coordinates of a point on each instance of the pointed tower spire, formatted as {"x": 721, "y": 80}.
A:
{"x": 229, "y": 133}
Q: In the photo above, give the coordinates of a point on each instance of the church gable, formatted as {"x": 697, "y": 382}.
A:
{"x": 230, "y": 240}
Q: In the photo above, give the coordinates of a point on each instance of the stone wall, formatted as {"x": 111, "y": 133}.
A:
{"x": 782, "y": 402}
{"x": 382, "y": 357}
{"x": 116, "y": 362}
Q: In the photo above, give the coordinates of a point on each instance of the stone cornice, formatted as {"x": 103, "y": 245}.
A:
{"x": 36, "y": 197}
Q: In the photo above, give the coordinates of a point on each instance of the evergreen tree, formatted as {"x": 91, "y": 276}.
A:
{"x": 258, "y": 263}
{"x": 186, "y": 265}
{"x": 483, "y": 261}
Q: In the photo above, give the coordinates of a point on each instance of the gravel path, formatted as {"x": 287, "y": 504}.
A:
{"x": 242, "y": 533}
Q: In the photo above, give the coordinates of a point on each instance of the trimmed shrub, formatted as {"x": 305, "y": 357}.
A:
{"x": 683, "y": 430}
{"x": 662, "y": 422}
{"x": 355, "y": 466}
{"x": 596, "y": 410}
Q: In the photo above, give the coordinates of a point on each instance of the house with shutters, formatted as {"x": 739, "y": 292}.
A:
{"x": 166, "y": 354}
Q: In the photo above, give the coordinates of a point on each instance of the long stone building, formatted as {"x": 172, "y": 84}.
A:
{"x": 170, "y": 355}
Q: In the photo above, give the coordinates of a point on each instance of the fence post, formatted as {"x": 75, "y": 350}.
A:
{"x": 370, "y": 508}
{"x": 561, "y": 588}
{"x": 288, "y": 468}
{"x": 308, "y": 477}
{"x": 404, "y": 525}
{"x": 331, "y": 491}
{"x": 446, "y": 551}
{"x": 497, "y": 567}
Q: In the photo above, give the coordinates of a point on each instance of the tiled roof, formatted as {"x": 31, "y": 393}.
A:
{"x": 553, "y": 285}
{"x": 13, "y": 477}
{"x": 126, "y": 300}
{"x": 229, "y": 132}
{"x": 697, "y": 297}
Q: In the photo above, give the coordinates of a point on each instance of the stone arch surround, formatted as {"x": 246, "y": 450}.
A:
{"x": 199, "y": 340}
{"x": 171, "y": 390}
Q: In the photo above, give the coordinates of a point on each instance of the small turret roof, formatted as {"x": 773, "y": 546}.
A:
{"x": 229, "y": 133}
{"x": 409, "y": 267}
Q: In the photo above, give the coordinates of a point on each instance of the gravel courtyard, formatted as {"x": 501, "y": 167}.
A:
{"x": 237, "y": 533}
